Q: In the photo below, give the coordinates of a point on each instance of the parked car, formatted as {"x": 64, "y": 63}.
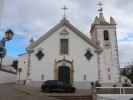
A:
{"x": 57, "y": 86}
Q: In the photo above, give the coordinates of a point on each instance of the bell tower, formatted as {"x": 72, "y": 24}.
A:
{"x": 103, "y": 33}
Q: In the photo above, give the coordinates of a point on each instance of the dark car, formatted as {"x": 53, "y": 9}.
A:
{"x": 57, "y": 86}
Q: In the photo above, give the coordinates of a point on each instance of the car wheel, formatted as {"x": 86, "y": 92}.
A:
{"x": 42, "y": 90}
{"x": 68, "y": 90}
{"x": 72, "y": 90}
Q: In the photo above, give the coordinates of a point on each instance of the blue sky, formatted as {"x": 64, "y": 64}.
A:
{"x": 16, "y": 46}
{"x": 35, "y": 17}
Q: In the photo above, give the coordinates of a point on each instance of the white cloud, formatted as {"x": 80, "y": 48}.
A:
{"x": 38, "y": 16}
{"x": 125, "y": 52}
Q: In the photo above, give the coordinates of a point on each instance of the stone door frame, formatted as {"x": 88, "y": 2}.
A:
{"x": 59, "y": 63}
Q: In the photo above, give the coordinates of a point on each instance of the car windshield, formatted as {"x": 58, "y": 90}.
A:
{"x": 53, "y": 82}
{"x": 60, "y": 83}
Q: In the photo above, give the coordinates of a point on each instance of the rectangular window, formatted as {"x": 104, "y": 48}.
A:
{"x": 108, "y": 69}
{"x": 63, "y": 46}
{"x": 85, "y": 77}
{"x": 42, "y": 77}
{"x": 106, "y": 35}
{"x": 109, "y": 77}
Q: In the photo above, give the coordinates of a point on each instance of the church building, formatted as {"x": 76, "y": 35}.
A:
{"x": 64, "y": 53}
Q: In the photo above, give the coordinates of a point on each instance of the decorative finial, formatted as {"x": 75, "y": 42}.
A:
{"x": 64, "y": 9}
{"x": 31, "y": 40}
{"x": 30, "y": 37}
{"x": 100, "y": 9}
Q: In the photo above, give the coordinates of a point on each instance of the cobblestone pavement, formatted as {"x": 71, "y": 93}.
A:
{"x": 16, "y": 92}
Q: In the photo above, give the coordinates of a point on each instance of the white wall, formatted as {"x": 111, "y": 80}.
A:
{"x": 109, "y": 57}
{"x": 7, "y": 77}
{"x": 77, "y": 48}
{"x": 23, "y": 64}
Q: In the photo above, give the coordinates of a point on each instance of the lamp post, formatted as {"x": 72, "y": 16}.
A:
{"x": 8, "y": 36}
{"x": 19, "y": 72}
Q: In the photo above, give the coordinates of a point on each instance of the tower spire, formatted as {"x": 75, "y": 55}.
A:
{"x": 100, "y": 9}
{"x": 31, "y": 40}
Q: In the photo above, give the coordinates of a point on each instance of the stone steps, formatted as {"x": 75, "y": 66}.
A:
{"x": 74, "y": 97}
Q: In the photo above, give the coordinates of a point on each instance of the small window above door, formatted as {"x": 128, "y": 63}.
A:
{"x": 64, "y": 46}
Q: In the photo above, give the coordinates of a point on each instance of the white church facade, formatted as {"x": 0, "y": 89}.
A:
{"x": 65, "y": 53}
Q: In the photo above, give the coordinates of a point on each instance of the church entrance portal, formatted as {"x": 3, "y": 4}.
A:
{"x": 64, "y": 70}
{"x": 64, "y": 74}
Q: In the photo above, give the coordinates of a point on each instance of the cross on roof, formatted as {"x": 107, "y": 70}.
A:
{"x": 64, "y": 8}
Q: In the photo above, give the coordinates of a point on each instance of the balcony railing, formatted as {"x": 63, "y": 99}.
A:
{"x": 114, "y": 90}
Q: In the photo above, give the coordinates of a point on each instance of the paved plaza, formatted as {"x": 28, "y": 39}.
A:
{"x": 12, "y": 91}
{"x": 16, "y": 92}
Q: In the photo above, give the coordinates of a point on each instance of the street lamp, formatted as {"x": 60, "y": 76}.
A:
{"x": 8, "y": 36}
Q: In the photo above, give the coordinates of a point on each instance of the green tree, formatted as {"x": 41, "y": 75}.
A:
{"x": 128, "y": 73}
{"x": 15, "y": 64}
{"x": 131, "y": 99}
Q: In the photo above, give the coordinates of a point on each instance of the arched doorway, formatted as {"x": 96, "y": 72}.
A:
{"x": 64, "y": 74}
{"x": 64, "y": 70}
